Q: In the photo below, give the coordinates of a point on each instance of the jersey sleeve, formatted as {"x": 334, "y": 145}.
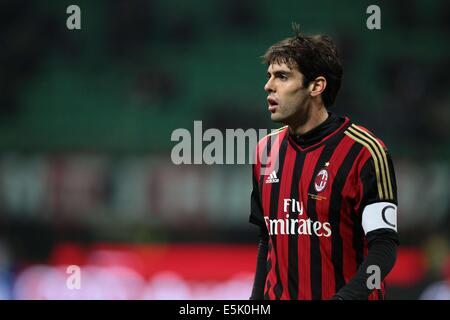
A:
{"x": 378, "y": 191}
{"x": 256, "y": 211}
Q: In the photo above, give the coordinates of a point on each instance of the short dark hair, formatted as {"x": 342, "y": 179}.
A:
{"x": 314, "y": 56}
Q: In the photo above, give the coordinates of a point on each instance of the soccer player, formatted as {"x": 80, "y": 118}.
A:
{"x": 325, "y": 194}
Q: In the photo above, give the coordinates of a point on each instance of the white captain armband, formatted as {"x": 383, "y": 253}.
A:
{"x": 379, "y": 215}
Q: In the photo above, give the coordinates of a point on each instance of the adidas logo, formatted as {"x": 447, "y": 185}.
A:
{"x": 272, "y": 178}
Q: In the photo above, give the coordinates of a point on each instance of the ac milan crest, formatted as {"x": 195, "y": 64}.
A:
{"x": 321, "y": 180}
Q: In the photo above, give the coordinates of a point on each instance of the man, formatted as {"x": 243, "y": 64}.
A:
{"x": 325, "y": 197}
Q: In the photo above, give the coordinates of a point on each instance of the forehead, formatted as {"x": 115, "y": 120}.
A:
{"x": 281, "y": 66}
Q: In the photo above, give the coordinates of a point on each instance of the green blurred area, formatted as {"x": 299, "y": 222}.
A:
{"x": 137, "y": 70}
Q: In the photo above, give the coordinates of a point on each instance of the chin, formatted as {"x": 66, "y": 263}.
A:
{"x": 275, "y": 117}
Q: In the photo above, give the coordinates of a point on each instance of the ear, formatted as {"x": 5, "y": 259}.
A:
{"x": 317, "y": 86}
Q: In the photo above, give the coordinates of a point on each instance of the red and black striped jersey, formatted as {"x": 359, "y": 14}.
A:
{"x": 318, "y": 203}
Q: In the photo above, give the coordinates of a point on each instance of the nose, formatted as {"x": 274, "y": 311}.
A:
{"x": 269, "y": 87}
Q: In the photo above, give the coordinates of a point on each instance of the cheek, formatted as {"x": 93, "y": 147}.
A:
{"x": 294, "y": 98}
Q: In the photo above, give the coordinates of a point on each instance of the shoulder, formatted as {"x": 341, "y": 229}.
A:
{"x": 374, "y": 164}
{"x": 280, "y": 132}
{"x": 371, "y": 143}
{"x": 266, "y": 145}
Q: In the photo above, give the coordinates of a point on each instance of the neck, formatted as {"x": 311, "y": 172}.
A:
{"x": 314, "y": 116}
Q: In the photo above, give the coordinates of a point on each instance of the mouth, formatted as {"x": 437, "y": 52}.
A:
{"x": 273, "y": 104}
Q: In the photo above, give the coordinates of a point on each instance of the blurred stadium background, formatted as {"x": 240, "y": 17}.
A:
{"x": 86, "y": 117}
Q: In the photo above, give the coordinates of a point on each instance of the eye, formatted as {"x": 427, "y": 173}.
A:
{"x": 282, "y": 76}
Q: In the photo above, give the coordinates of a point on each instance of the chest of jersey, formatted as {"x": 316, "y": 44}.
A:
{"x": 306, "y": 191}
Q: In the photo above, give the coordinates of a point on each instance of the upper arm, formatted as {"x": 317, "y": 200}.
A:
{"x": 378, "y": 191}
{"x": 256, "y": 210}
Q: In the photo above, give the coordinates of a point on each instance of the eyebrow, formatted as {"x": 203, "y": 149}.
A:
{"x": 280, "y": 72}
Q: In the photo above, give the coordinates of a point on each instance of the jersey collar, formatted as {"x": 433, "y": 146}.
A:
{"x": 320, "y": 133}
